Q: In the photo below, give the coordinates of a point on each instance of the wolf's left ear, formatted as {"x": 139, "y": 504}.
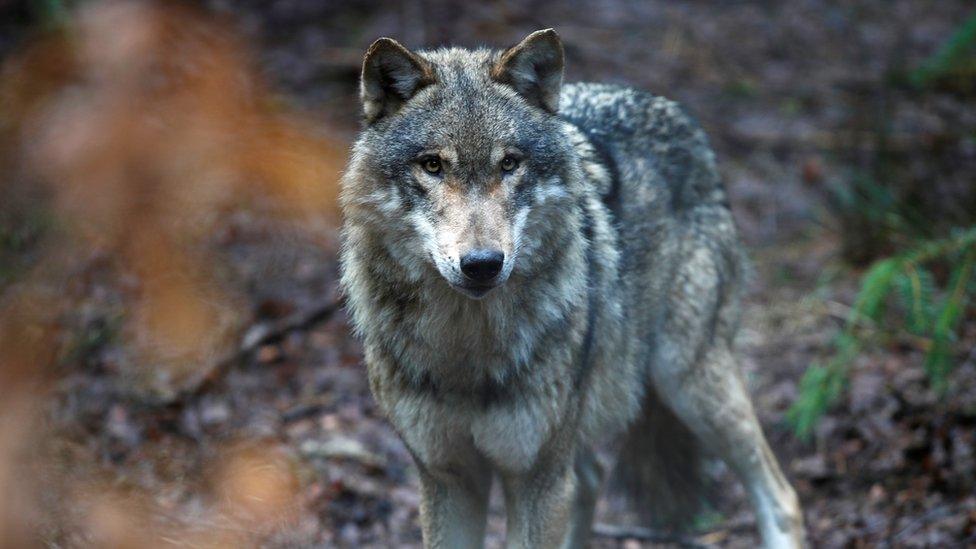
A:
{"x": 534, "y": 67}
{"x": 392, "y": 74}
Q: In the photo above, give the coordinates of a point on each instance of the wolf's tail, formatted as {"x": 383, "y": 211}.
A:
{"x": 659, "y": 468}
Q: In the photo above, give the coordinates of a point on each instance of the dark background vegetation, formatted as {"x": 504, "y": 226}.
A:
{"x": 175, "y": 370}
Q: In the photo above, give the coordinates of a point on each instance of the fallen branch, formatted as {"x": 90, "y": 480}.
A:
{"x": 616, "y": 532}
{"x": 266, "y": 332}
{"x": 700, "y": 540}
{"x": 917, "y": 523}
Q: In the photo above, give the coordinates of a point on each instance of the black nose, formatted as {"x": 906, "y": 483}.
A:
{"x": 482, "y": 265}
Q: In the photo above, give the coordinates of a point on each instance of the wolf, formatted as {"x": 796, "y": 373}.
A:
{"x": 536, "y": 269}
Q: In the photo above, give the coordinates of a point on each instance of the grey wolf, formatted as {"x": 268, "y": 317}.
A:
{"x": 537, "y": 268}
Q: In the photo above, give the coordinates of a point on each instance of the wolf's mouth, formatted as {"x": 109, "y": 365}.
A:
{"x": 474, "y": 291}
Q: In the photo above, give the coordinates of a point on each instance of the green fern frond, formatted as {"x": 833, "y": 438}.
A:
{"x": 915, "y": 289}
{"x": 875, "y": 287}
{"x": 822, "y": 385}
{"x": 956, "y": 51}
{"x": 939, "y": 359}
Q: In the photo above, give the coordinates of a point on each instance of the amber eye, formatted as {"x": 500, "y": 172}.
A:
{"x": 432, "y": 165}
{"x": 509, "y": 163}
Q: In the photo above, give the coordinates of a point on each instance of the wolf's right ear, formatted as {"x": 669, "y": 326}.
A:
{"x": 534, "y": 67}
{"x": 392, "y": 74}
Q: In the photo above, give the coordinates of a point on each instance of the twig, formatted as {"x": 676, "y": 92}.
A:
{"x": 614, "y": 531}
{"x": 933, "y": 514}
{"x": 259, "y": 334}
{"x": 300, "y": 412}
{"x": 266, "y": 332}
{"x": 617, "y": 532}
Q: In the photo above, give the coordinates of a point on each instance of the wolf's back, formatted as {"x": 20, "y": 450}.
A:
{"x": 649, "y": 143}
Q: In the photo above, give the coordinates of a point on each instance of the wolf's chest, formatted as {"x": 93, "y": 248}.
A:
{"x": 465, "y": 383}
{"x": 509, "y": 434}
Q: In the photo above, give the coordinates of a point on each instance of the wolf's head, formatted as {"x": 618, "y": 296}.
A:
{"x": 460, "y": 147}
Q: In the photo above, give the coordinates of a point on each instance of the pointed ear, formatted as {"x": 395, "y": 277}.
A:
{"x": 392, "y": 74}
{"x": 534, "y": 68}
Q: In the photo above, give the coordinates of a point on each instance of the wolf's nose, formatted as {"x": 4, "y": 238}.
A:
{"x": 482, "y": 265}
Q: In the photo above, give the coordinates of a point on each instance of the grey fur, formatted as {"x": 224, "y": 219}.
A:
{"x": 620, "y": 282}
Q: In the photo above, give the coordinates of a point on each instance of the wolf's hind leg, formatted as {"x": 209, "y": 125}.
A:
{"x": 712, "y": 401}
{"x": 589, "y": 478}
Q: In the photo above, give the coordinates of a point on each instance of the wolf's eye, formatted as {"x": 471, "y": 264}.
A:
{"x": 432, "y": 165}
{"x": 509, "y": 163}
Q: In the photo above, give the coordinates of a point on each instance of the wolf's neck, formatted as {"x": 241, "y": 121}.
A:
{"x": 435, "y": 330}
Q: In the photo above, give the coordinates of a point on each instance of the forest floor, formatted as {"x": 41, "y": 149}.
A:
{"x": 776, "y": 86}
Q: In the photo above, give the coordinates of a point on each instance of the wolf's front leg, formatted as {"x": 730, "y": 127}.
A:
{"x": 539, "y": 504}
{"x": 454, "y": 505}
